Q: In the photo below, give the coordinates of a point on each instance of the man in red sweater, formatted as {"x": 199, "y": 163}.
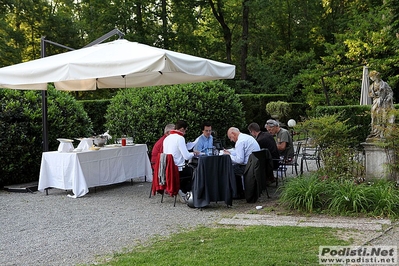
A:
{"x": 158, "y": 146}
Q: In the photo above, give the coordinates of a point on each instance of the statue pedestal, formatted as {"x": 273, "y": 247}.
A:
{"x": 377, "y": 159}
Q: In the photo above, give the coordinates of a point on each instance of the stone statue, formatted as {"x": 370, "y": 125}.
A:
{"x": 382, "y": 96}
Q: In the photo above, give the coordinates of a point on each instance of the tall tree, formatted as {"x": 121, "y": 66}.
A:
{"x": 245, "y": 33}
{"x": 218, "y": 12}
{"x": 11, "y": 38}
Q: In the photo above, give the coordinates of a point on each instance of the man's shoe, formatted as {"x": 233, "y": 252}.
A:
{"x": 182, "y": 197}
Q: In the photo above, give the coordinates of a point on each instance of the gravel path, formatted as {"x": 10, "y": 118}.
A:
{"x": 57, "y": 230}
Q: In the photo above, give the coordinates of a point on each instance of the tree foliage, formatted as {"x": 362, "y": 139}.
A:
{"x": 277, "y": 46}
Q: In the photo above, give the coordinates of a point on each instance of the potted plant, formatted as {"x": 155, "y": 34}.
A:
{"x": 278, "y": 110}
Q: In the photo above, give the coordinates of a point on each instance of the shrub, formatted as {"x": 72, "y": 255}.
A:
{"x": 338, "y": 147}
{"x": 96, "y": 110}
{"x": 384, "y": 198}
{"x": 342, "y": 163}
{"x": 328, "y": 130}
{"x": 305, "y": 194}
{"x": 279, "y": 109}
{"x": 143, "y": 113}
{"x": 357, "y": 116}
{"x": 21, "y": 130}
{"x": 254, "y": 106}
{"x": 341, "y": 197}
{"x": 390, "y": 144}
{"x": 348, "y": 198}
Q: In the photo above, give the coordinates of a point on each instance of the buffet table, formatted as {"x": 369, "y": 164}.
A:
{"x": 79, "y": 171}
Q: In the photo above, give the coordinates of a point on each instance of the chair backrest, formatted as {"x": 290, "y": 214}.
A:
{"x": 254, "y": 175}
{"x": 297, "y": 151}
{"x": 269, "y": 164}
{"x": 218, "y": 144}
{"x": 171, "y": 175}
{"x": 261, "y": 156}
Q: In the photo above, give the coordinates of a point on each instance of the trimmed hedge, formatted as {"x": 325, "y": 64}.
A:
{"x": 254, "y": 106}
{"x": 144, "y": 112}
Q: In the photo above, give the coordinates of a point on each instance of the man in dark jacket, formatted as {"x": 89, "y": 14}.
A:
{"x": 266, "y": 141}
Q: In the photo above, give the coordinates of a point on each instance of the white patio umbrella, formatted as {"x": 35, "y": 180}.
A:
{"x": 116, "y": 64}
{"x": 364, "y": 95}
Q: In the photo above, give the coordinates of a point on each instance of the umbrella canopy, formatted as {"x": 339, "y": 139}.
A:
{"x": 116, "y": 64}
{"x": 364, "y": 96}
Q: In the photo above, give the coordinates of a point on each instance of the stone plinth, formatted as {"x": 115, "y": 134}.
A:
{"x": 377, "y": 159}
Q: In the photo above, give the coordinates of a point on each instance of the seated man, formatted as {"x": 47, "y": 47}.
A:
{"x": 175, "y": 144}
{"x": 265, "y": 141}
{"x": 244, "y": 146}
{"x": 158, "y": 146}
{"x": 284, "y": 142}
{"x": 204, "y": 141}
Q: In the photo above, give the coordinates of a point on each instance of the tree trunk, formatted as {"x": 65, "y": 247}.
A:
{"x": 244, "y": 46}
{"x": 164, "y": 17}
{"x": 218, "y": 13}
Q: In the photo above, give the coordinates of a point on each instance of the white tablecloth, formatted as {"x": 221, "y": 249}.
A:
{"x": 80, "y": 170}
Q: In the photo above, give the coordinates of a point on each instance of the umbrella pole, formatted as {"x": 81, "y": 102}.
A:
{"x": 44, "y": 101}
{"x": 44, "y": 121}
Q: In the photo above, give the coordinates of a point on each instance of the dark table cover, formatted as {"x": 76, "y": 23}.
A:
{"x": 214, "y": 181}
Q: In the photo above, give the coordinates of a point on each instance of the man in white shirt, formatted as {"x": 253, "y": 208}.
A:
{"x": 175, "y": 144}
{"x": 244, "y": 146}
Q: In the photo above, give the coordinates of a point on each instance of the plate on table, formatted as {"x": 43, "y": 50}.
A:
{"x": 112, "y": 145}
{"x": 65, "y": 140}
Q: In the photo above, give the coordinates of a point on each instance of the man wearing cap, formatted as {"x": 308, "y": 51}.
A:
{"x": 284, "y": 142}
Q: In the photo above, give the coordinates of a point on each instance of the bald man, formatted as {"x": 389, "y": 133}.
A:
{"x": 244, "y": 146}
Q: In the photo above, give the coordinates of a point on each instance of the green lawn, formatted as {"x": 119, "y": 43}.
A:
{"x": 252, "y": 245}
